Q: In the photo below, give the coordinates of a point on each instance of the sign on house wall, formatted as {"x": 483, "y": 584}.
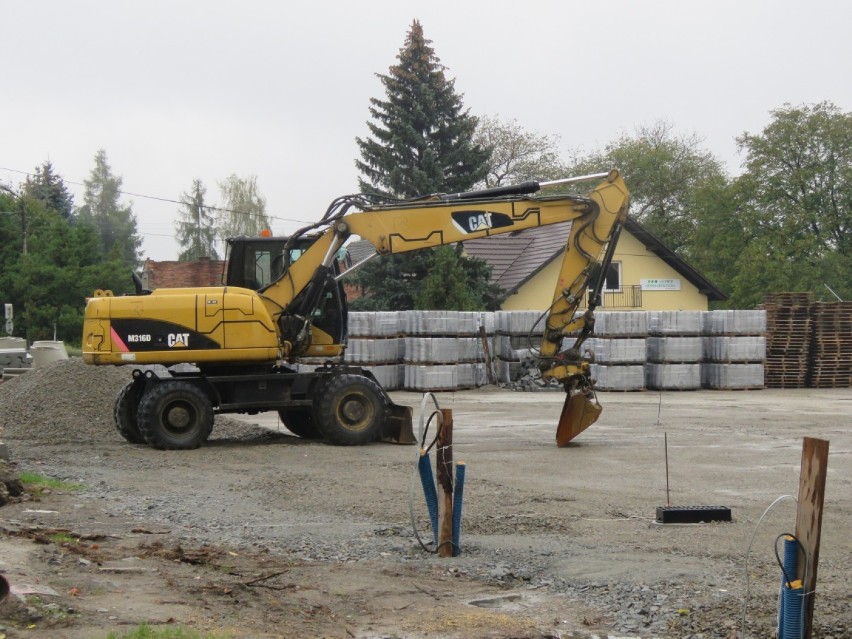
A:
{"x": 660, "y": 284}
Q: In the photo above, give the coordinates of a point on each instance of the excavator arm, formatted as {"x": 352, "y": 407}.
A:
{"x": 446, "y": 219}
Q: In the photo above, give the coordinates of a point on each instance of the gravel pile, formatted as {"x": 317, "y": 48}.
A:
{"x": 72, "y": 401}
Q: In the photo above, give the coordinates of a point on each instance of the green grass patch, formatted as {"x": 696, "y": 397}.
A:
{"x": 40, "y": 483}
{"x": 73, "y": 350}
{"x": 147, "y": 632}
{"x": 62, "y": 538}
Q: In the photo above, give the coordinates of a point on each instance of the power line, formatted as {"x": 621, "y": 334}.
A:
{"x": 169, "y": 200}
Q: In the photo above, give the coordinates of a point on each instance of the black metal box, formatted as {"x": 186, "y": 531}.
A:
{"x": 692, "y": 514}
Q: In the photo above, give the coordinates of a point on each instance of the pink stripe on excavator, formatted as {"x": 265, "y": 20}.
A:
{"x": 117, "y": 341}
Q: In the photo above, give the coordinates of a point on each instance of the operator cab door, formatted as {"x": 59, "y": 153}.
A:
{"x": 257, "y": 263}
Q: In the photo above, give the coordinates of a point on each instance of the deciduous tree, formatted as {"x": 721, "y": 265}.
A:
{"x": 518, "y": 155}
{"x": 244, "y": 209}
{"x": 663, "y": 171}
{"x": 798, "y": 188}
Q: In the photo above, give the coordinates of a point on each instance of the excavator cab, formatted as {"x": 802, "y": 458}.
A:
{"x": 258, "y": 262}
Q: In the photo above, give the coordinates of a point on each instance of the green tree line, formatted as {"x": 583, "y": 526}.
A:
{"x": 54, "y": 254}
{"x": 782, "y": 224}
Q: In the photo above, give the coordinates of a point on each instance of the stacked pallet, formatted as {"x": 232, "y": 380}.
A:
{"x": 675, "y": 350}
{"x": 734, "y": 350}
{"x": 788, "y": 335}
{"x": 619, "y": 351}
{"x": 831, "y": 345}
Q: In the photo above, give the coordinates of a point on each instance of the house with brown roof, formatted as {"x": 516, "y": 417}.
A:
{"x": 644, "y": 274}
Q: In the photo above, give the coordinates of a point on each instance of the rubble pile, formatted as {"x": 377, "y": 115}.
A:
{"x": 69, "y": 401}
{"x": 65, "y": 400}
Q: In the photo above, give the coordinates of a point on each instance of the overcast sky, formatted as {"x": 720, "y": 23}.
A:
{"x": 176, "y": 90}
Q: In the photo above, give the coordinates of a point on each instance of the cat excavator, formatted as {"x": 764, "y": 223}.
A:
{"x": 236, "y": 348}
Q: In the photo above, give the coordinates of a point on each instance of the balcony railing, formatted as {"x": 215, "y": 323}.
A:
{"x": 623, "y": 297}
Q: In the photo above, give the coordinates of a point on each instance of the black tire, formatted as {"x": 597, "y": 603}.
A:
{"x": 125, "y": 410}
{"x": 300, "y": 421}
{"x": 350, "y": 411}
{"x": 175, "y": 415}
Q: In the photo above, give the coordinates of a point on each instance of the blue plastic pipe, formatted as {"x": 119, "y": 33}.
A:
{"x": 430, "y": 492}
{"x": 792, "y": 600}
{"x": 792, "y": 597}
{"x": 458, "y": 498}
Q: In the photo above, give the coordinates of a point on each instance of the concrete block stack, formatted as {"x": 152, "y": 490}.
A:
{"x": 619, "y": 351}
{"x": 517, "y": 334}
{"x": 14, "y": 357}
{"x": 442, "y": 350}
{"x": 734, "y": 349}
{"x": 675, "y": 350}
{"x": 375, "y": 344}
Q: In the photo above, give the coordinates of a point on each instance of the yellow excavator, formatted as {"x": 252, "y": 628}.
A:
{"x": 283, "y": 300}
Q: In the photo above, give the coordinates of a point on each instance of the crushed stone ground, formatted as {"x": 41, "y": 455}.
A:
{"x": 556, "y": 542}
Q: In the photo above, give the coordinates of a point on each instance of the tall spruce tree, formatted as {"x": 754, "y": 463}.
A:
{"x": 48, "y": 187}
{"x": 194, "y": 227}
{"x": 114, "y": 221}
{"x": 421, "y": 141}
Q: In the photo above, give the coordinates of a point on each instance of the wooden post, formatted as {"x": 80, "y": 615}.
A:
{"x": 489, "y": 373}
{"x": 809, "y": 519}
{"x": 444, "y": 461}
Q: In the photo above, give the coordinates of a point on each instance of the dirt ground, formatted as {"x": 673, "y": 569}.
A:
{"x": 268, "y": 535}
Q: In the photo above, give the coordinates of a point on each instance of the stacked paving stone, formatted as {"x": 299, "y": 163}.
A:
{"x": 443, "y": 350}
{"x": 831, "y": 345}
{"x": 632, "y": 350}
{"x": 619, "y": 350}
{"x": 734, "y": 349}
{"x": 14, "y": 357}
{"x": 517, "y": 336}
{"x": 674, "y": 350}
{"x": 375, "y": 344}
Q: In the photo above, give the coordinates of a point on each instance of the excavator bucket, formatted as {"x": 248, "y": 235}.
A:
{"x": 398, "y": 427}
{"x": 580, "y": 411}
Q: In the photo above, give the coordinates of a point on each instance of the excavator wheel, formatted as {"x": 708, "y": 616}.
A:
{"x": 351, "y": 410}
{"x": 175, "y": 415}
{"x": 125, "y": 410}
{"x": 300, "y": 421}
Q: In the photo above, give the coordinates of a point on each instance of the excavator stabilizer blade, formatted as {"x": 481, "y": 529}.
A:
{"x": 398, "y": 426}
{"x": 578, "y": 413}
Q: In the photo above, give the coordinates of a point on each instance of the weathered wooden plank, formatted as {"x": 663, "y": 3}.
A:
{"x": 444, "y": 461}
{"x": 809, "y": 518}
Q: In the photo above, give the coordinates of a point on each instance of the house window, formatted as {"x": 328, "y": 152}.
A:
{"x": 613, "y": 277}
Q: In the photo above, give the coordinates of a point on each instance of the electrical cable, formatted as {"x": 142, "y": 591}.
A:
{"x": 423, "y": 430}
{"x": 748, "y": 551}
{"x": 781, "y": 563}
